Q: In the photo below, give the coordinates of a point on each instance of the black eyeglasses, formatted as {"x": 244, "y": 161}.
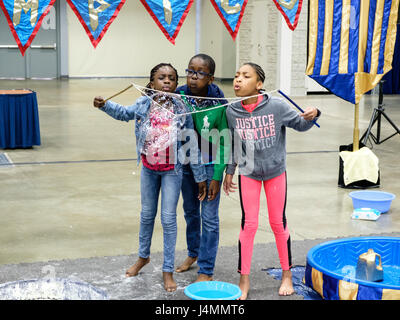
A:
{"x": 199, "y": 74}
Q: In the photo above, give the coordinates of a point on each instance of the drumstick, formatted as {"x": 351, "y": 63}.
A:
{"x": 117, "y": 94}
{"x": 315, "y": 122}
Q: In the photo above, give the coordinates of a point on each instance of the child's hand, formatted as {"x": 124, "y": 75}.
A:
{"x": 213, "y": 189}
{"x": 229, "y": 185}
{"x": 99, "y": 102}
{"x": 309, "y": 113}
{"x": 202, "y": 190}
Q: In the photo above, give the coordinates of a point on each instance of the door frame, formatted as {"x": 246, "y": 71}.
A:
{"x": 62, "y": 39}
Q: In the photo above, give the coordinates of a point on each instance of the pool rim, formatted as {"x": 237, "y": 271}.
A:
{"x": 313, "y": 264}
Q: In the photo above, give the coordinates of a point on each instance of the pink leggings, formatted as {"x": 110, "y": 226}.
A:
{"x": 275, "y": 191}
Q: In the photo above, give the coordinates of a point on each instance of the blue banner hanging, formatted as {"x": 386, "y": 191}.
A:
{"x": 290, "y": 10}
{"x": 25, "y": 18}
{"x": 351, "y": 44}
{"x": 231, "y": 12}
{"x": 96, "y": 16}
{"x": 169, "y": 15}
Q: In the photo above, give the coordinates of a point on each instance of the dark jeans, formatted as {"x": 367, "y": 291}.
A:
{"x": 202, "y": 222}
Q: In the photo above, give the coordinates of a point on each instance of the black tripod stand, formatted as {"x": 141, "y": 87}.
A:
{"x": 376, "y": 118}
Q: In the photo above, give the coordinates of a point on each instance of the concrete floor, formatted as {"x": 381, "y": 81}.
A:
{"x": 77, "y": 195}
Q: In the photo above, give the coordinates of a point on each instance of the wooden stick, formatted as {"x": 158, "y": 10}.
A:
{"x": 356, "y": 132}
{"x": 117, "y": 94}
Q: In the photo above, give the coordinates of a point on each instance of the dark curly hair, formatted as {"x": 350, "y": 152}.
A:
{"x": 207, "y": 59}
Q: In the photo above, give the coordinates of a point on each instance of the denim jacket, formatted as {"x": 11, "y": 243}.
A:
{"x": 139, "y": 111}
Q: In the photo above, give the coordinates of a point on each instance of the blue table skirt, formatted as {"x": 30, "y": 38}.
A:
{"x": 19, "y": 120}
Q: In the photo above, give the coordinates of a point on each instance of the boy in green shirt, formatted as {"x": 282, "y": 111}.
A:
{"x": 202, "y": 221}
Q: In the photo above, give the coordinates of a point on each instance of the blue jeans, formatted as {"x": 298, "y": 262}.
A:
{"x": 202, "y": 242}
{"x": 150, "y": 184}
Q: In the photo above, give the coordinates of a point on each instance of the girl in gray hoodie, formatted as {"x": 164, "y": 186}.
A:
{"x": 258, "y": 124}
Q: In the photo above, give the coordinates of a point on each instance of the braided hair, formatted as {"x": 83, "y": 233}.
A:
{"x": 259, "y": 71}
{"x": 153, "y": 73}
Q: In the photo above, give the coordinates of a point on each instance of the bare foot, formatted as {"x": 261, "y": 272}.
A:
{"x": 134, "y": 270}
{"x": 185, "y": 266}
{"x": 286, "y": 288}
{"x": 244, "y": 285}
{"x": 169, "y": 282}
{"x": 203, "y": 277}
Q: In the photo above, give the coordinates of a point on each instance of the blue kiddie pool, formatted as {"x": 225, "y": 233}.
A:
{"x": 213, "y": 290}
{"x": 331, "y": 269}
{"x": 377, "y": 200}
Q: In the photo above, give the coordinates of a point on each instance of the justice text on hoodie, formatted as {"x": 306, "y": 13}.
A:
{"x": 259, "y": 137}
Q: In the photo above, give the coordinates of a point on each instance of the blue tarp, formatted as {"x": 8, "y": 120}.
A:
{"x": 297, "y": 277}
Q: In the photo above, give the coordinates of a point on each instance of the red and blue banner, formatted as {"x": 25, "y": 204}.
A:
{"x": 96, "y": 16}
{"x": 25, "y": 19}
{"x": 169, "y": 15}
{"x": 231, "y": 12}
{"x": 290, "y": 10}
{"x": 25, "y": 16}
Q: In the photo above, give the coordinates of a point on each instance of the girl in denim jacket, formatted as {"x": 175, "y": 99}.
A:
{"x": 159, "y": 130}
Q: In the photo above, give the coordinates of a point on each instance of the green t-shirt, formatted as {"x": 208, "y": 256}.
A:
{"x": 211, "y": 141}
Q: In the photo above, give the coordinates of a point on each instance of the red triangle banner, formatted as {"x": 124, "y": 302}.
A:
{"x": 169, "y": 15}
{"x": 231, "y": 14}
{"x": 25, "y": 19}
{"x": 290, "y": 11}
{"x": 96, "y": 16}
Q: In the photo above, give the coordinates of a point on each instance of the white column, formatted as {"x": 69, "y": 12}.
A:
{"x": 198, "y": 26}
{"x": 285, "y": 57}
{"x": 237, "y": 47}
{"x": 62, "y": 28}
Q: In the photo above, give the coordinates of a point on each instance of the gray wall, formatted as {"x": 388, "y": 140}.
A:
{"x": 265, "y": 38}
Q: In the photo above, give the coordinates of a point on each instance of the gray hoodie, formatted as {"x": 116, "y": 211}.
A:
{"x": 259, "y": 137}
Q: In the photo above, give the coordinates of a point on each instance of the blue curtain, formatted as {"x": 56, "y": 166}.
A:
{"x": 392, "y": 78}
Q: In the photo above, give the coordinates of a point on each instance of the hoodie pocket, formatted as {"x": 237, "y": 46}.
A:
{"x": 266, "y": 167}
